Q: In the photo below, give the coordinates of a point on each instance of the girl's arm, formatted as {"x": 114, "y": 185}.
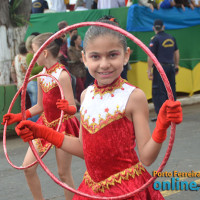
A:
{"x": 65, "y": 82}
{"x": 29, "y": 130}
{"x": 138, "y": 112}
{"x": 74, "y": 145}
{"x": 38, "y": 108}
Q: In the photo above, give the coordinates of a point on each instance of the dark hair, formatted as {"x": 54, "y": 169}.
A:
{"x": 158, "y": 24}
{"x": 62, "y": 25}
{"x": 75, "y": 29}
{"x": 35, "y": 33}
{"x": 22, "y": 48}
{"x": 96, "y": 31}
{"x": 110, "y": 18}
{"x": 73, "y": 39}
{"x": 53, "y": 47}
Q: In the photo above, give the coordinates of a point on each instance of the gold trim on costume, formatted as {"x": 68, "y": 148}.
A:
{"x": 55, "y": 122}
{"x": 97, "y": 125}
{"x": 115, "y": 178}
{"x": 109, "y": 89}
{"x": 50, "y": 85}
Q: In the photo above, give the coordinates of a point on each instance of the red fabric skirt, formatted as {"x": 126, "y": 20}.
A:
{"x": 122, "y": 186}
{"x": 69, "y": 126}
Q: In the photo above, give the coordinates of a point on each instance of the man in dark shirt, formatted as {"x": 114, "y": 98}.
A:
{"x": 38, "y": 6}
{"x": 164, "y": 47}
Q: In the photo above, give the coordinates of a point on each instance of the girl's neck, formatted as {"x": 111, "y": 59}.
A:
{"x": 50, "y": 63}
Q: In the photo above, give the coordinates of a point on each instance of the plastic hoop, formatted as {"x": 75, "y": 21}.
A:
{"x": 5, "y": 126}
{"x": 163, "y": 76}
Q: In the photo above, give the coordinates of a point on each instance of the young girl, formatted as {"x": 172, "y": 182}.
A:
{"x": 113, "y": 115}
{"x": 49, "y": 105}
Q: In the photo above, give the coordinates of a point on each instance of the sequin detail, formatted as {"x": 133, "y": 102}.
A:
{"x": 109, "y": 88}
{"x": 96, "y": 125}
{"x": 55, "y": 122}
{"x": 126, "y": 174}
{"x": 46, "y": 86}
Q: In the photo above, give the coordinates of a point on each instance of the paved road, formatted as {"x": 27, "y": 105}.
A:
{"x": 185, "y": 157}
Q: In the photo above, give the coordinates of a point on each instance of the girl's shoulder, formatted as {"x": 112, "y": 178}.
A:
{"x": 137, "y": 102}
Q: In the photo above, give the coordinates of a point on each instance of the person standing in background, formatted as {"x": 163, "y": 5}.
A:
{"x": 63, "y": 54}
{"x": 164, "y": 47}
{"x": 32, "y": 87}
{"x": 105, "y": 4}
{"x": 39, "y": 6}
{"x": 76, "y": 65}
{"x": 57, "y": 5}
{"x": 19, "y": 68}
{"x": 80, "y": 6}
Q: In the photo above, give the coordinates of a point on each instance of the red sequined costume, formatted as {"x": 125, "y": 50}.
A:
{"x": 113, "y": 167}
{"x": 51, "y": 115}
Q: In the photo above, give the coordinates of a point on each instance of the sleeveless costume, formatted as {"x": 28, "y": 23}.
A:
{"x": 113, "y": 167}
{"x": 51, "y": 115}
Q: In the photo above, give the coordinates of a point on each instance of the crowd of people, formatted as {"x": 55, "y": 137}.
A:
{"x": 44, "y": 6}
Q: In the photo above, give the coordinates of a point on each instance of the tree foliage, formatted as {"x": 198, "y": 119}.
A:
{"x": 15, "y": 12}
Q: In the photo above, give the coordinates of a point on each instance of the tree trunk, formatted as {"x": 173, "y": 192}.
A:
{"x": 10, "y": 37}
{"x": 4, "y": 13}
{"x": 9, "y": 42}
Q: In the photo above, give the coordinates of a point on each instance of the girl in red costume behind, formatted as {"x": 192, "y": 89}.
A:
{"x": 114, "y": 118}
{"x": 49, "y": 104}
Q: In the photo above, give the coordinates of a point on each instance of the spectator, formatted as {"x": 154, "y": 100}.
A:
{"x": 104, "y": 4}
{"x": 94, "y": 5}
{"x": 57, "y": 5}
{"x": 89, "y": 4}
{"x": 183, "y": 3}
{"x": 32, "y": 85}
{"x": 167, "y": 4}
{"x": 76, "y": 65}
{"x": 149, "y": 3}
{"x": 195, "y": 3}
{"x": 71, "y": 33}
{"x": 19, "y": 68}
{"x": 63, "y": 50}
{"x": 164, "y": 47}
{"x": 39, "y": 6}
{"x": 80, "y": 5}
{"x": 63, "y": 57}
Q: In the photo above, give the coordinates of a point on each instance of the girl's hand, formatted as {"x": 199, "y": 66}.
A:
{"x": 63, "y": 104}
{"x": 170, "y": 111}
{"x": 13, "y": 118}
{"x": 29, "y": 130}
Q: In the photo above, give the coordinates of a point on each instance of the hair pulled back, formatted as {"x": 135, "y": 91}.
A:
{"x": 96, "y": 31}
{"x": 53, "y": 47}
{"x": 73, "y": 39}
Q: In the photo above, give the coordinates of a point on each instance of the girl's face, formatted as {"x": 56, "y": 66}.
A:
{"x": 105, "y": 57}
{"x": 41, "y": 58}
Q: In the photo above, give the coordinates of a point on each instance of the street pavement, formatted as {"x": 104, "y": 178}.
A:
{"x": 185, "y": 157}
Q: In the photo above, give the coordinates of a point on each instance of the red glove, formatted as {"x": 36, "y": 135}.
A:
{"x": 29, "y": 130}
{"x": 12, "y": 118}
{"x": 170, "y": 111}
{"x": 63, "y": 104}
